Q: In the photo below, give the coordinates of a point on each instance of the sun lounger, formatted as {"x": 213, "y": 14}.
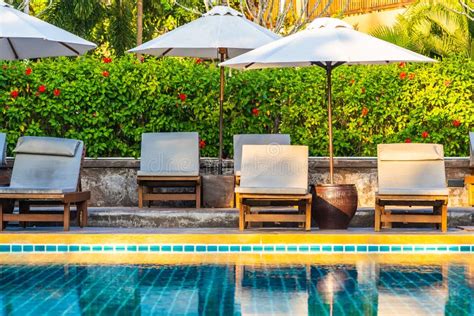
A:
{"x": 274, "y": 173}
{"x": 46, "y": 171}
{"x": 253, "y": 139}
{"x": 169, "y": 160}
{"x": 411, "y": 175}
{"x": 469, "y": 180}
{"x": 4, "y": 178}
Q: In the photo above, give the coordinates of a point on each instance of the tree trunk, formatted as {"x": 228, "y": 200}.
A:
{"x": 139, "y": 22}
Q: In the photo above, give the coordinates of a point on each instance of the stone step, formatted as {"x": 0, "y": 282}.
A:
{"x": 223, "y": 218}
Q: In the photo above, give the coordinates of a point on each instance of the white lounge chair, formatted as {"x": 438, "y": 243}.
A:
{"x": 46, "y": 171}
{"x": 253, "y": 139}
{"x": 274, "y": 173}
{"x": 411, "y": 175}
{"x": 169, "y": 160}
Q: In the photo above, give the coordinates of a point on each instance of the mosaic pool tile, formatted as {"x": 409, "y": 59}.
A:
{"x": 237, "y": 248}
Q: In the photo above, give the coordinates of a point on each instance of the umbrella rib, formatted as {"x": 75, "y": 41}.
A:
{"x": 70, "y": 48}
{"x": 249, "y": 65}
{"x": 13, "y": 48}
{"x": 166, "y": 52}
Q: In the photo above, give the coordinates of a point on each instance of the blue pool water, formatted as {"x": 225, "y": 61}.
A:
{"x": 365, "y": 288}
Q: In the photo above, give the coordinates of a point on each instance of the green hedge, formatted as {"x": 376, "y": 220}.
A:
{"x": 109, "y": 104}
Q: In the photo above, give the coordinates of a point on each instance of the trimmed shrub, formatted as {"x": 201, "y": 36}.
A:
{"x": 110, "y": 103}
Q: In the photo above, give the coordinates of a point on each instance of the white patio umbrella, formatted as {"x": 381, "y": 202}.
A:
{"x": 327, "y": 43}
{"x": 23, "y": 36}
{"x": 220, "y": 33}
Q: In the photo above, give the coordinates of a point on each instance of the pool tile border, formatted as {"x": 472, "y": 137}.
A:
{"x": 237, "y": 248}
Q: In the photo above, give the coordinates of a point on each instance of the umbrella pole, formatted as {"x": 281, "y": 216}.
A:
{"x": 329, "y": 92}
{"x": 222, "y": 54}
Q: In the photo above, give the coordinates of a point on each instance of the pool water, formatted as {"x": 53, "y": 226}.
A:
{"x": 365, "y": 288}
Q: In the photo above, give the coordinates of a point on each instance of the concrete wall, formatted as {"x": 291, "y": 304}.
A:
{"x": 112, "y": 181}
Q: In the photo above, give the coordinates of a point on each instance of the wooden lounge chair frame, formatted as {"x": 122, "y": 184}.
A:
{"x": 147, "y": 183}
{"x": 413, "y": 153}
{"x": 274, "y": 177}
{"x": 469, "y": 179}
{"x": 26, "y": 200}
{"x": 385, "y": 218}
{"x": 168, "y": 161}
{"x": 303, "y": 215}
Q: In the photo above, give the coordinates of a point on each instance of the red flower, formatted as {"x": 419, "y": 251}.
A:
{"x": 42, "y": 88}
{"x": 425, "y": 134}
{"x": 411, "y": 76}
{"x": 202, "y": 143}
{"x": 407, "y": 140}
{"x": 255, "y": 111}
{"x": 362, "y": 90}
{"x": 182, "y": 97}
{"x": 199, "y": 61}
{"x": 14, "y": 94}
{"x": 106, "y": 60}
{"x": 142, "y": 59}
{"x": 456, "y": 123}
{"x": 105, "y": 73}
{"x": 402, "y": 64}
{"x": 57, "y": 92}
{"x": 28, "y": 71}
{"x": 353, "y": 81}
{"x": 403, "y": 75}
{"x": 447, "y": 83}
{"x": 365, "y": 111}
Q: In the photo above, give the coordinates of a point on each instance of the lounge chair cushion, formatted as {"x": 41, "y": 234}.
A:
{"x": 410, "y": 152}
{"x": 170, "y": 154}
{"x": 49, "y": 146}
{"x": 270, "y": 190}
{"x": 10, "y": 190}
{"x": 3, "y": 149}
{"x": 274, "y": 169}
{"x": 425, "y": 191}
{"x": 425, "y": 174}
{"x": 47, "y": 171}
{"x": 255, "y": 139}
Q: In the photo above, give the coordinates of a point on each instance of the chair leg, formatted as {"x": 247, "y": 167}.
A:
{"x": 241, "y": 216}
{"x": 198, "y": 195}
{"x": 140, "y": 195}
{"x": 82, "y": 214}
{"x": 378, "y": 216}
{"x": 308, "y": 215}
{"x": 23, "y": 208}
{"x": 237, "y": 200}
{"x": 386, "y": 214}
{"x": 67, "y": 214}
{"x": 444, "y": 218}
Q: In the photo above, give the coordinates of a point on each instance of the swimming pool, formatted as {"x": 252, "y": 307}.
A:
{"x": 362, "y": 288}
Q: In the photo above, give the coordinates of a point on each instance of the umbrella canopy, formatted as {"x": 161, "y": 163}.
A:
{"x": 220, "y": 33}
{"x": 221, "y": 27}
{"x": 328, "y": 43}
{"x": 23, "y": 36}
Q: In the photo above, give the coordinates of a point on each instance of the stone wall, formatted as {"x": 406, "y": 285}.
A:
{"x": 112, "y": 181}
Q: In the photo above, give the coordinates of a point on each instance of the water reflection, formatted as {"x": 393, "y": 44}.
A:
{"x": 365, "y": 288}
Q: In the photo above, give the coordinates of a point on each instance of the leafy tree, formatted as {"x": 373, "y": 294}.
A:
{"x": 433, "y": 27}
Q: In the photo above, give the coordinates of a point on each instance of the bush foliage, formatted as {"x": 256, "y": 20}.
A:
{"x": 110, "y": 103}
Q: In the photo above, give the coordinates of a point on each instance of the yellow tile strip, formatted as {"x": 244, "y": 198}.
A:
{"x": 282, "y": 238}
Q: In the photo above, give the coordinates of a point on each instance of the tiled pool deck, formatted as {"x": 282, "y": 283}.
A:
{"x": 185, "y": 244}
